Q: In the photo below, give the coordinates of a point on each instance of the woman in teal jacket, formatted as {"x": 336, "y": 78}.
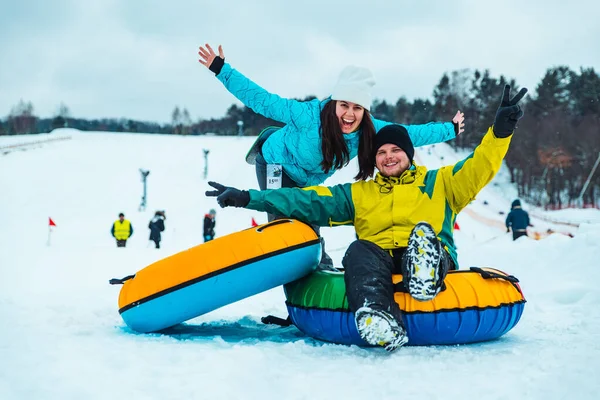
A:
{"x": 319, "y": 136}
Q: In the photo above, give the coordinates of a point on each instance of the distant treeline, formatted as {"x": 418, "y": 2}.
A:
{"x": 552, "y": 154}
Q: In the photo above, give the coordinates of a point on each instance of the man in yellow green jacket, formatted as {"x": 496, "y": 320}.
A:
{"x": 404, "y": 219}
{"x": 121, "y": 230}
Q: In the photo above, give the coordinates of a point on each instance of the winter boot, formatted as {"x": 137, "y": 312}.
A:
{"x": 424, "y": 265}
{"x": 379, "y": 328}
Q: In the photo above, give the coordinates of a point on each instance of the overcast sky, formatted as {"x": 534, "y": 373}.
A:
{"x": 138, "y": 59}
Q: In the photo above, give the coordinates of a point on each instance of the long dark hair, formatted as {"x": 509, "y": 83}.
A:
{"x": 334, "y": 149}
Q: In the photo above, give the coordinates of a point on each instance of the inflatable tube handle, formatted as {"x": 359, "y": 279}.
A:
{"x": 491, "y": 275}
{"x": 273, "y": 223}
{"x": 273, "y": 320}
{"x": 115, "y": 281}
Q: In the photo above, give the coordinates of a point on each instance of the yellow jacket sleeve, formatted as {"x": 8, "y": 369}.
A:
{"x": 466, "y": 178}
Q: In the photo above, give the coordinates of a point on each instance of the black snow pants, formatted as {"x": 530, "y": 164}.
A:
{"x": 368, "y": 277}
{"x": 518, "y": 234}
{"x": 261, "y": 176}
{"x": 286, "y": 182}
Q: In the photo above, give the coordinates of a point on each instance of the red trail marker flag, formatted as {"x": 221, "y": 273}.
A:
{"x": 50, "y": 225}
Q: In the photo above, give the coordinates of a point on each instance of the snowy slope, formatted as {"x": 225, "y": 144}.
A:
{"x": 62, "y": 336}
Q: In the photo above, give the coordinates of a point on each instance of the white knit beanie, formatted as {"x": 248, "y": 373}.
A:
{"x": 354, "y": 85}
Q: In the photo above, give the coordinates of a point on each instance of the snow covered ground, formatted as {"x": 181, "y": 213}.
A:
{"x": 62, "y": 336}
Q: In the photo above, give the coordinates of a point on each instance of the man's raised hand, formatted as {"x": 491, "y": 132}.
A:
{"x": 508, "y": 113}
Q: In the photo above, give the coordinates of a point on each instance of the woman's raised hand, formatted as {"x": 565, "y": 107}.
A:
{"x": 208, "y": 55}
{"x": 459, "y": 122}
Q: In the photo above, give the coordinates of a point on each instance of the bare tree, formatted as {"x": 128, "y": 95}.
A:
{"x": 21, "y": 119}
{"x": 176, "y": 120}
{"x": 60, "y": 116}
{"x": 186, "y": 122}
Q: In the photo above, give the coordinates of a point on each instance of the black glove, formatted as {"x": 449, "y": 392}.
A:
{"x": 229, "y": 196}
{"x": 217, "y": 65}
{"x": 508, "y": 113}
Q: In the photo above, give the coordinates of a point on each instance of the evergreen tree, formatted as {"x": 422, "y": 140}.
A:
{"x": 402, "y": 111}
{"x": 382, "y": 110}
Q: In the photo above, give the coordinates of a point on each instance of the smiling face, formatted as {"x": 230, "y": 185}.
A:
{"x": 391, "y": 160}
{"x": 349, "y": 115}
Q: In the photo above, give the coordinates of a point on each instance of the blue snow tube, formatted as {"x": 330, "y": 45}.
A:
{"x": 477, "y": 305}
{"x": 219, "y": 272}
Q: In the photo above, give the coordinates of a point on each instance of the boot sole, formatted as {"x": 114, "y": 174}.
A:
{"x": 424, "y": 260}
{"x": 391, "y": 337}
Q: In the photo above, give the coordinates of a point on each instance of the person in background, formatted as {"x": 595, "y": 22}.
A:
{"x": 517, "y": 220}
{"x": 209, "y": 225}
{"x": 404, "y": 219}
{"x": 157, "y": 225}
{"x": 122, "y": 230}
{"x": 319, "y": 136}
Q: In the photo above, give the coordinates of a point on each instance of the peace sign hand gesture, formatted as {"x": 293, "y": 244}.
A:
{"x": 209, "y": 58}
{"x": 508, "y": 113}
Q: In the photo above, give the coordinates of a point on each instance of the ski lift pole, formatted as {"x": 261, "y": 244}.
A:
{"x": 206, "y": 151}
{"x": 240, "y": 125}
{"x": 588, "y": 180}
{"x": 143, "y": 202}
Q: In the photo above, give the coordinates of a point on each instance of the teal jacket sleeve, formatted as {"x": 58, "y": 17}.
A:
{"x": 317, "y": 205}
{"x": 422, "y": 135}
{"x": 290, "y": 112}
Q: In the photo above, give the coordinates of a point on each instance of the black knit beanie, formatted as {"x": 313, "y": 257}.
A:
{"x": 398, "y": 135}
